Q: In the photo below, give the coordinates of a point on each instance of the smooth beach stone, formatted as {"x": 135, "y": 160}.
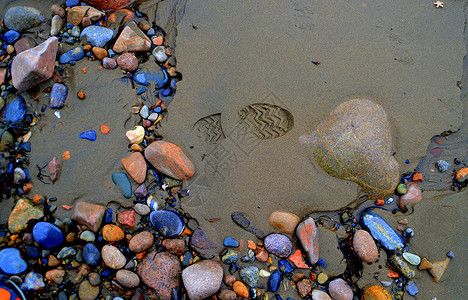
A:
{"x": 15, "y": 111}
{"x": 132, "y": 39}
{"x": 355, "y": 144}
{"x": 304, "y": 287}
{"x": 127, "y": 278}
{"x": 66, "y": 252}
{"x": 320, "y": 295}
{"x": 230, "y": 242}
{"x": 55, "y": 275}
{"x": 91, "y": 254}
{"x": 202, "y": 279}
{"x": 91, "y": 215}
{"x": 71, "y": 3}
{"x": 58, "y": 95}
{"x": 365, "y": 247}
{"x": 250, "y": 275}
{"x": 227, "y": 295}
{"x": 161, "y": 272}
{"x": 201, "y": 241}
{"x": 170, "y": 160}
{"x": 77, "y": 14}
{"x": 76, "y": 32}
{"x": 89, "y": 135}
{"x": 32, "y": 282}
{"x": 128, "y": 62}
{"x": 284, "y": 221}
{"x": 47, "y": 235}
{"x": 97, "y": 36}
{"x": 382, "y": 232}
{"x": 307, "y": 233}
{"x": 54, "y": 169}
{"x": 230, "y": 257}
{"x": 24, "y": 44}
{"x": 135, "y": 165}
{"x": 411, "y": 288}
{"x": 376, "y": 292}
{"x": 87, "y": 236}
{"x": 141, "y": 192}
{"x": 21, "y": 18}
{"x": 109, "y": 63}
{"x": 72, "y": 55}
{"x": 127, "y": 218}
{"x": 58, "y": 10}
{"x": 87, "y": 291}
{"x": 99, "y": 53}
{"x": 11, "y": 36}
{"x": 159, "y": 54}
{"x": 166, "y": 222}
{"x": 141, "y": 242}
{"x": 340, "y": 290}
{"x": 109, "y": 4}
{"x": 159, "y": 78}
{"x": 112, "y": 233}
{"x": 284, "y": 266}
{"x": 411, "y": 197}
{"x": 412, "y": 258}
{"x": 438, "y": 269}
{"x": 21, "y": 214}
{"x": 18, "y": 176}
{"x": 136, "y": 135}
{"x": 401, "y": 266}
{"x": 142, "y": 209}
{"x": 34, "y": 65}
{"x": 174, "y": 246}
{"x": 11, "y": 262}
{"x": 278, "y": 244}
{"x": 112, "y": 257}
{"x": 123, "y": 182}
{"x": 274, "y": 281}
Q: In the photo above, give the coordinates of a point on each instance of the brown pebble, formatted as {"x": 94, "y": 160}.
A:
{"x": 87, "y": 47}
{"x": 298, "y": 276}
{"x": 52, "y": 261}
{"x": 403, "y": 221}
{"x": 425, "y": 264}
{"x": 229, "y": 280}
{"x": 240, "y": 289}
{"x": 144, "y": 25}
{"x": 71, "y": 237}
{"x": 227, "y": 295}
{"x": 99, "y": 53}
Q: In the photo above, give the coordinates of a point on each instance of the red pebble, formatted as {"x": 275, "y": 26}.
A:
{"x": 127, "y": 217}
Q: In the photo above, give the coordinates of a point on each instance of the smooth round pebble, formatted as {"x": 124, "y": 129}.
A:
{"x": 142, "y": 209}
{"x": 109, "y": 63}
{"x": 47, "y": 235}
{"x": 112, "y": 257}
{"x": 11, "y": 261}
{"x": 128, "y": 62}
{"x": 91, "y": 254}
{"x": 365, "y": 247}
{"x": 88, "y": 291}
{"x": 322, "y": 278}
{"x": 141, "y": 242}
{"x": 127, "y": 278}
{"x": 87, "y": 236}
{"x": 320, "y": 295}
{"x": 284, "y": 221}
{"x": 202, "y": 279}
{"x": 278, "y": 244}
{"x": 340, "y": 290}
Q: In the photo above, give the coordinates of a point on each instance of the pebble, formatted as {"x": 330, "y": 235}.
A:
{"x": 461, "y": 175}
{"x": 442, "y": 166}
{"x": 340, "y": 290}
{"x": 54, "y": 169}
{"x": 128, "y": 62}
{"x": 136, "y": 135}
{"x": 402, "y": 188}
{"x": 159, "y": 54}
{"x": 411, "y": 288}
{"x": 250, "y": 275}
{"x": 159, "y": 78}
{"x": 365, "y": 247}
{"x": 412, "y": 258}
{"x": 72, "y": 55}
{"x": 170, "y": 160}
{"x": 304, "y": 287}
{"x": 450, "y": 254}
{"x": 11, "y": 262}
{"x": 227, "y": 295}
{"x": 202, "y": 279}
{"x": 278, "y": 244}
{"x": 230, "y": 242}
{"x": 230, "y": 257}
{"x": 58, "y": 10}
{"x": 71, "y": 3}
{"x": 127, "y": 218}
{"x": 274, "y": 281}
{"x": 142, "y": 209}
{"x": 307, "y": 233}
{"x": 47, "y": 235}
{"x": 240, "y": 289}
{"x": 135, "y": 165}
{"x": 322, "y": 278}
{"x": 264, "y": 273}
{"x": 284, "y": 221}
{"x": 167, "y": 222}
{"x": 132, "y": 39}
{"x": 320, "y": 295}
{"x": 174, "y": 246}
{"x": 87, "y": 291}
{"x": 376, "y": 292}
{"x": 438, "y": 269}
{"x": 21, "y": 18}
{"x": 55, "y": 275}
{"x": 34, "y": 65}
{"x": 199, "y": 240}
{"x": 76, "y": 32}
{"x": 89, "y": 135}
{"x": 262, "y": 255}
{"x": 112, "y": 257}
{"x": 99, "y": 52}
{"x": 32, "y": 282}
{"x": 94, "y": 278}
{"x": 141, "y": 192}
{"x": 412, "y": 196}
{"x": 112, "y": 233}
{"x": 11, "y": 36}
{"x": 77, "y": 14}
{"x": 284, "y": 266}
{"x": 24, "y": 44}
{"x": 97, "y": 36}
{"x": 52, "y": 261}
{"x": 121, "y": 179}
{"x": 127, "y": 279}
{"x": 141, "y": 242}
{"x": 425, "y": 264}
{"x": 110, "y": 4}
{"x": 88, "y": 214}
{"x": 382, "y": 232}
{"x": 91, "y": 254}
{"x": 66, "y": 252}
{"x": 87, "y": 236}
{"x": 18, "y": 176}
{"x": 109, "y": 63}
{"x": 401, "y": 266}
{"x": 161, "y": 272}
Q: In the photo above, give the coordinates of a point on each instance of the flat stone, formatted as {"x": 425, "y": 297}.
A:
{"x": 135, "y": 165}
{"x": 340, "y": 290}
{"x": 112, "y": 233}
{"x": 127, "y": 278}
{"x": 202, "y": 279}
{"x": 174, "y": 246}
{"x": 21, "y": 214}
{"x": 112, "y": 257}
{"x": 97, "y": 36}
{"x": 412, "y": 196}
{"x": 11, "y": 262}
{"x": 35, "y": 65}
{"x": 127, "y": 218}
{"x": 128, "y": 62}
{"x": 284, "y": 221}
{"x": 304, "y": 287}
{"x": 141, "y": 242}
{"x": 24, "y": 44}
{"x": 382, "y": 231}
{"x": 365, "y": 247}
{"x": 21, "y": 18}
{"x": 320, "y": 295}
{"x": 121, "y": 179}
{"x": 438, "y": 269}
{"x": 412, "y": 258}
{"x": 308, "y": 236}
{"x": 161, "y": 272}
{"x": 54, "y": 169}
{"x": 142, "y": 209}
{"x": 201, "y": 241}
{"x": 47, "y": 235}
{"x": 91, "y": 254}
{"x": 132, "y": 39}
{"x": 88, "y": 214}
{"x": 66, "y": 252}
{"x": 87, "y": 291}
{"x": 168, "y": 223}
{"x": 72, "y": 55}
{"x": 278, "y": 244}
{"x": 58, "y": 95}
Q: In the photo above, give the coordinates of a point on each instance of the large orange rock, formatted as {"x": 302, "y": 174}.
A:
{"x": 132, "y": 39}
{"x": 169, "y": 159}
{"x": 135, "y": 165}
{"x": 109, "y": 4}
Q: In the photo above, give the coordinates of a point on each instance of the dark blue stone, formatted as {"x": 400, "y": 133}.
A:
{"x": 167, "y": 222}
{"x": 278, "y": 297}
{"x": 97, "y": 36}
{"x": 166, "y": 92}
{"x": 58, "y": 95}
{"x": 158, "y": 79}
{"x": 111, "y": 53}
{"x": 47, "y": 235}
{"x": 230, "y": 242}
{"x": 121, "y": 179}
{"x": 186, "y": 259}
{"x": 150, "y": 32}
{"x": 141, "y": 90}
{"x": 382, "y": 232}
{"x": 71, "y": 3}
{"x": 88, "y": 135}
{"x": 233, "y": 268}
{"x": 240, "y": 219}
{"x": 15, "y": 110}
{"x": 91, "y": 254}
{"x": 73, "y": 55}
{"x": 11, "y": 36}
{"x": 450, "y": 254}
{"x": 11, "y": 262}
{"x": 108, "y": 216}
{"x": 285, "y": 266}
{"x": 70, "y": 26}
{"x": 26, "y": 146}
{"x": 274, "y": 281}
{"x": 106, "y": 272}
{"x": 32, "y": 251}
{"x": 412, "y": 288}
{"x": 11, "y": 168}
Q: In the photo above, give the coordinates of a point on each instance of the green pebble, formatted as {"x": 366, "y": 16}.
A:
{"x": 402, "y": 189}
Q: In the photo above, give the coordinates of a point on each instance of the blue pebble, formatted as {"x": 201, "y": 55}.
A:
{"x": 70, "y": 26}
{"x": 58, "y": 95}
{"x": 70, "y": 40}
{"x": 106, "y": 272}
{"x": 121, "y": 179}
{"x": 284, "y": 266}
{"x": 66, "y": 252}
{"x": 76, "y": 31}
{"x": 230, "y": 257}
{"x": 91, "y": 254}
{"x": 186, "y": 259}
{"x": 158, "y": 109}
{"x": 166, "y": 92}
{"x": 88, "y": 135}
{"x": 250, "y": 275}
{"x": 108, "y": 216}
{"x": 26, "y": 146}
{"x": 11, "y": 262}
{"x": 71, "y": 3}
{"x": 11, "y": 36}
{"x": 32, "y": 251}
{"x": 73, "y": 55}
{"x": 289, "y": 298}
{"x": 111, "y": 53}
{"x": 97, "y": 36}
{"x": 65, "y": 35}
{"x": 159, "y": 78}
{"x": 278, "y": 297}
{"x": 274, "y": 281}
{"x": 230, "y": 242}
{"x": 412, "y": 288}
{"x": 47, "y": 235}
{"x": 150, "y": 32}
{"x": 278, "y": 244}
{"x": 450, "y": 254}
{"x": 382, "y": 231}
{"x": 32, "y": 282}
{"x": 233, "y": 268}
{"x": 43, "y": 108}
{"x": 10, "y": 168}
{"x": 166, "y": 222}
{"x": 15, "y": 111}
{"x": 21, "y": 18}
{"x": 141, "y": 89}
{"x": 407, "y": 161}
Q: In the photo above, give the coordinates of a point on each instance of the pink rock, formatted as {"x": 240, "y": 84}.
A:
{"x": 23, "y": 44}
{"x": 88, "y": 214}
{"x": 128, "y": 62}
{"x": 340, "y": 290}
{"x": 109, "y": 63}
{"x": 320, "y": 295}
{"x": 109, "y": 4}
{"x": 35, "y": 65}
{"x": 77, "y": 13}
{"x": 132, "y": 39}
{"x": 127, "y": 217}
{"x": 364, "y": 246}
{"x": 141, "y": 242}
{"x": 307, "y": 233}
{"x": 3, "y": 73}
{"x": 411, "y": 197}
{"x": 58, "y": 10}
{"x": 54, "y": 169}
{"x": 135, "y": 165}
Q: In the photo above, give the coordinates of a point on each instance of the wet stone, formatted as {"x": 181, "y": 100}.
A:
{"x": 87, "y": 236}
{"x": 167, "y": 222}
{"x": 11, "y": 262}
{"x": 58, "y": 95}
{"x": 227, "y": 295}
{"x": 278, "y": 244}
{"x": 88, "y": 214}
{"x": 412, "y": 258}
{"x": 230, "y": 257}
{"x": 376, "y": 292}
{"x": 97, "y": 36}
{"x": 58, "y": 10}
{"x": 365, "y": 247}
{"x": 91, "y": 254}
{"x": 202, "y": 279}
{"x": 54, "y": 169}
{"x": 24, "y": 44}
{"x": 109, "y": 4}
{"x": 127, "y": 218}
{"x": 21, "y": 214}
{"x": 141, "y": 242}
{"x": 411, "y": 197}
{"x": 109, "y": 63}
{"x": 128, "y": 62}
{"x": 284, "y": 221}
{"x": 87, "y": 291}
{"x": 47, "y": 235}
{"x": 382, "y": 232}
{"x": 132, "y": 39}
{"x": 94, "y": 278}
{"x": 199, "y": 240}
{"x": 307, "y": 233}
{"x": 72, "y": 55}
{"x": 55, "y": 275}
{"x": 141, "y": 192}
{"x": 320, "y": 295}
{"x": 250, "y": 275}
{"x": 142, "y": 209}
{"x": 32, "y": 282}
{"x": 412, "y": 288}
{"x": 174, "y": 246}
{"x": 21, "y": 18}
{"x": 112, "y": 257}
{"x": 99, "y": 53}
{"x": 240, "y": 289}
{"x": 135, "y": 165}
{"x": 66, "y": 252}
{"x": 157, "y": 77}
{"x": 230, "y": 242}
{"x": 127, "y": 279}
{"x": 284, "y": 266}
{"x": 340, "y": 290}
{"x": 121, "y": 179}
{"x": 304, "y": 287}
{"x": 112, "y": 233}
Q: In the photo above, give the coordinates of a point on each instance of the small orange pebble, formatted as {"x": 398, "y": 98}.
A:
{"x": 460, "y": 175}
{"x": 241, "y": 245}
{"x": 393, "y": 274}
{"x": 186, "y": 232}
{"x": 66, "y": 155}
{"x": 380, "y": 202}
{"x": 140, "y": 255}
{"x": 84, "y": 70}
{"x": 168, "y": 51}
{"x": 417, "y": 177}
{"x": 158, "y": 41}
{"x": 37, "y": 198}
{"x": 136, "y": 147}
{"x": 81, "y": 95}
{"x": 269, "y": 260}
{"x": 312, "y": 276}
{"x": 240, "y": 289}
{"x": 438, "y": 141}
{"x": 27, "y": 187}
{"x": 67, "y": 207}
{"x": 105, "y": 129}
{"x": 251, "y": 245}
{"x": 87, "y": 47}
{"x": 214, "y": 220}
{"x": 14, "y": 237}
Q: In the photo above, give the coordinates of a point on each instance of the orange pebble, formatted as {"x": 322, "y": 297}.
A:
{"x": 241, "y": 245}
{"x": 140, "y": 255}
{"x": 136, "y": 147}
{"x": 186, "y": 232}
{"x": 84, "y": 70}
{"x": 14, "y": 237}
{"x": 417, "y": 177}
{"x": 168, "y": 51}
{"x": 460, "y": 175}
{"x": 438, "y": 140}
{"x": 158, "y": 41}
{"x": 87, "y": 47}
{"x": 105, "y": 129}
{"x": 37, "y": 198}
{"x": 81, "y": 95}
{"x": 66, "y": 155}
{"x": 313, "y": 277}
{"x": 240, "y": 289}
{"x": 67, "y": 207}
{"x": 393, "y": 274}
{"x": 251, "y": 245}
{"x": 27, "y": 187}
{"x": 380, "y": 202}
